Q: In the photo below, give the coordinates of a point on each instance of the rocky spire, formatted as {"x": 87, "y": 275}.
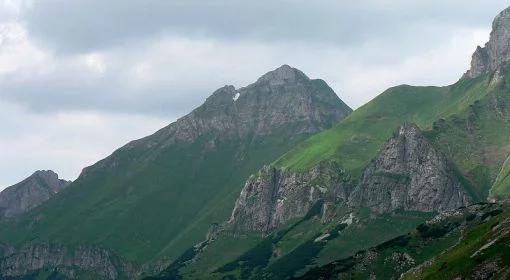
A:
{"x": 410, "y": 174}
{"x": 497, "y": 51}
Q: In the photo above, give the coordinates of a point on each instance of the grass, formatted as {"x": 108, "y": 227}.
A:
{"x": 460, "y": 119}
{"x": 460, "y": 260}
{"x": 358, "y": 138}
{"x": 150, "y": 206}
{"x": 501, "y": 188}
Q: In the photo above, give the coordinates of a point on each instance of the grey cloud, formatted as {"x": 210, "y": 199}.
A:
{"x": 88, "y": 25}
{"x": 362, "y": 34}
{"x": 57, "y": 95}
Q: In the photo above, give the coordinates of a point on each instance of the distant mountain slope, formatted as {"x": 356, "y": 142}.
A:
{"x": 29, "y": 193}
{"x": 290, "y": 213}
{"x": 157, "y": 196}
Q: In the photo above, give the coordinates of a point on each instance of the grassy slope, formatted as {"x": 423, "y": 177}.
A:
{"x": 293, "y": 249}
{"x": 357, "y": 139}
{"x": 478, "y": 139}
{"x": 463, "y": 261}
{"x": 156, "y": 208}
{"x": 460, "y": 119}
{"x": 390, "y": 259}
{"x": 501, "y": 186}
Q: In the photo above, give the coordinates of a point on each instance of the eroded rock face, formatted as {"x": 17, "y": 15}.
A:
{"x": 29, "y": 193}
{"x": 66, "y": 260}
{"x": 410, "y": 174}
{"x": 497, "y": 51}
{"x": 273, "y": 196}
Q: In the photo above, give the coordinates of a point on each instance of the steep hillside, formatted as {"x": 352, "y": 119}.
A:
{"x": 291, "y": 221}
{"x": 370, "y": 169}
{"x": 29, "y": 193}
{"x": 357, "y": 140}
{"x": 157, "y": 196}
{"x": 474, "y": 239}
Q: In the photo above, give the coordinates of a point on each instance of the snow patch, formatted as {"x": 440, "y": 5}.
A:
{"x": 322, "y": 237}
{"x": 236, "y": 96}
{"x": 348, "y": 220}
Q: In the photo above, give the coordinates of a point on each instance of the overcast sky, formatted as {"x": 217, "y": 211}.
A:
{"x": 81, "y": 78}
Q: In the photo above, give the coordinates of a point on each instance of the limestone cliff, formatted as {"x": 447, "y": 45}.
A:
{"x": 410, "y": 174}
{"x": 497, "y": 51}
{"x": 273, "y": 197}
{"x": 67, "y": 261}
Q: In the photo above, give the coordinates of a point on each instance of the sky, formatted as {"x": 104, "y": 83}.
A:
{"x": 80, "y": 78}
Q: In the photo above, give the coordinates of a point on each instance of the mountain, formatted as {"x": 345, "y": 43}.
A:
{"x": 29, "y": 193}
{"x": 280, "y": 180}
{"x": 157, "y": 196}
{"x": 407, "y": 155}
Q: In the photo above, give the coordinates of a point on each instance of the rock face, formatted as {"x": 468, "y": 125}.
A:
{"x": 29, "y": 193}
{"x": 497, "y": 51}
{"x": 274, "y": 196}
{"x": 409, "y": 174}
{"x": 281, "y": 99}
{"x": 67, "y": 261}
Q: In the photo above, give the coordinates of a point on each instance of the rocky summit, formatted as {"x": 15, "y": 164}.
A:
{"x": 496, "y": 52}
{"x": 29, "y": 193}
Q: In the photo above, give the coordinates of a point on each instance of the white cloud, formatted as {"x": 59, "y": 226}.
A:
{"x": 63, "y": 142}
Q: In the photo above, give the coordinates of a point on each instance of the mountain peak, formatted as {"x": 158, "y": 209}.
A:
{"x": 283, "y": 74}
{"x": 45, "y": 174}
{"x": 495, "y": 52}
{"x": 29, "y": 193}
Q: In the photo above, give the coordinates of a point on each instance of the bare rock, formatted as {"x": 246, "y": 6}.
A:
{"x": 410, "y": 174}
{"x": 31, "y": 192}
{"x": 497, "y": 51}
{"x": 273, "y": 196}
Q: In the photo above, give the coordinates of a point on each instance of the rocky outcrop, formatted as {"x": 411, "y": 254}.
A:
{"x": 410, "y": 174}
{"x": 29, "y": 193}
{"x": 497, "y": 51}
{"x": 273, "y": 196}
{"x": 69, "y": 261}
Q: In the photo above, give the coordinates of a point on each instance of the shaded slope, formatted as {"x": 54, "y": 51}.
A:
{"x": 157, "y": 196}
{"x": 483, "y": 252}
{"x": 416, "y": 249}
